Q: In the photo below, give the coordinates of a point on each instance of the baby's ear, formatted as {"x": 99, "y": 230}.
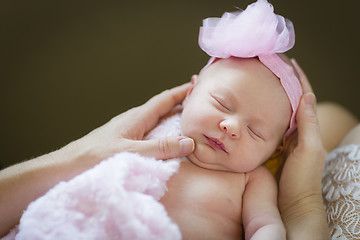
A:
{"x": 194, "y": 80}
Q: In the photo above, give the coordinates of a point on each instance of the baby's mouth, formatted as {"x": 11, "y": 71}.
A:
{"x": 215, "y": 143}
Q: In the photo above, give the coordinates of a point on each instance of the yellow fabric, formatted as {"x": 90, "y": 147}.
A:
{"x": 273, "y": 164}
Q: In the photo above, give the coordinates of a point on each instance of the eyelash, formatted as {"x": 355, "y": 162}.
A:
{"x": 253, "y": 133}
{"x": 220, "y": 103}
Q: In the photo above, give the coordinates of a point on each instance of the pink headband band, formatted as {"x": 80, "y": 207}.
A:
{"x": 256, "y": 31}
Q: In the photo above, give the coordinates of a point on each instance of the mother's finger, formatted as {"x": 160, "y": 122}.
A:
{"x": 163, "y": 148}
{"x": 302, "y": 171}
{"x": 308, "y": 124}
{"x": 303, "y": 78}
{"x": 161, "y": 104}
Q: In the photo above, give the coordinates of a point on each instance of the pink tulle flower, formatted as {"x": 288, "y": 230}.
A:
{"x": 253, "y": 32}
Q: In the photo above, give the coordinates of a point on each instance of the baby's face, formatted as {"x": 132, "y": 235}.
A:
{"x": 237, "y": 113}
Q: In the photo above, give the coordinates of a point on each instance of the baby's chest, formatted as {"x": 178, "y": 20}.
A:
{"x": 205, "y": 192}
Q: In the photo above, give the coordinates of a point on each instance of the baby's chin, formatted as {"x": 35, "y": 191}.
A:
{"x": 200, "y": 162}
{"x": 199, "y": 159}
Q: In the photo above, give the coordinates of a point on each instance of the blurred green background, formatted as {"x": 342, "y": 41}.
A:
{"x": 67, "y": 67}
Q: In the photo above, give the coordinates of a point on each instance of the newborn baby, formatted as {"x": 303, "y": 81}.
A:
{"x": 237, "y": 112}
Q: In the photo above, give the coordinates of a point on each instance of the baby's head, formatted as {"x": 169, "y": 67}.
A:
{"x": 237, "y": 112}
{"x": 244, "y": 100}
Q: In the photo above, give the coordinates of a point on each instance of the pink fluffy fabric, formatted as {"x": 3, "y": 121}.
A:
{"x": 117, "y": 199}
{"x": 255, "y": 31}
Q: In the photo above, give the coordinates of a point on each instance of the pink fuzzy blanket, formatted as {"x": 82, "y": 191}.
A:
{"x": 117, "y": 199}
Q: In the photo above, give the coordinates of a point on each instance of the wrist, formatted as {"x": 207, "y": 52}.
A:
{"x": 306, "y": 218}
{"x": 77, "y": 157}
{"x": 66, "y": 162}
{"x": 70, "y": 160}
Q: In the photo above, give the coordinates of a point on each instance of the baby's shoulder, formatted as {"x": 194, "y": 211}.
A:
{"x": 260, "y": 173}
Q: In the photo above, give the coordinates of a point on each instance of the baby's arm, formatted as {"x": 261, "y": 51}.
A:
{"x": 335, "y": 123}
{"x": 261, "y": 217}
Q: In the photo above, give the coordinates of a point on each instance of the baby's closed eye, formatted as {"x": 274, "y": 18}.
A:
{"x": 220, "y": 103}
{"x": 255, "y": 133}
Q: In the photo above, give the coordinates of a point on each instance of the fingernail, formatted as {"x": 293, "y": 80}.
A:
{"x": 187, "y": 145}
{"x": 310, "y": 99}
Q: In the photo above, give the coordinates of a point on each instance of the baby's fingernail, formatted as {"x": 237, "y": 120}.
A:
{"x": 187, "y": 145}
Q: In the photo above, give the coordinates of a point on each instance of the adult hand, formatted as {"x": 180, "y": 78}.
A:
{"x": 22, "y": 183}
{"x": 300, "y": 198}
{"x": 125, "y": 132}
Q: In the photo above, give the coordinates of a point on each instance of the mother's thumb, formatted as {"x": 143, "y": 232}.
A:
{"x": 165, "y": 148}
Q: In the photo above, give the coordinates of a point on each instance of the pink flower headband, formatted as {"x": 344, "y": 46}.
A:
{"x": 255, "y": 32}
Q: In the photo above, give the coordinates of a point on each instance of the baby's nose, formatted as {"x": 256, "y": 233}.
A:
{"x": 230, "y": 127}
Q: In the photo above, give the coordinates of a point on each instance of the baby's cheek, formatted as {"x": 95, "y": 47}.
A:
{"x": 254, "y": 156}
{"x": 196, "y": 120}
{"x": 206, "y": 118}
{"x": 189, "y": 129}
{"x": 186, "y": 125}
